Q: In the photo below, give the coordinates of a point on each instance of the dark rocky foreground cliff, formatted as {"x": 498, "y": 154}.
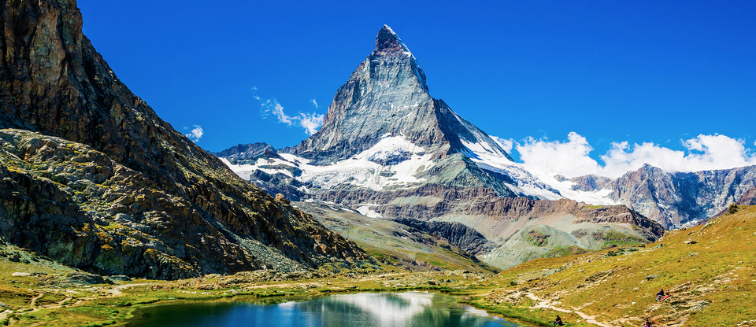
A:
{"x": 92, "y": 177}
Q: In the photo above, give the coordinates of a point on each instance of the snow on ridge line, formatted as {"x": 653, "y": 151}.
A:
{"x": 533, "y": 183}
{"x": 359, "y": 170}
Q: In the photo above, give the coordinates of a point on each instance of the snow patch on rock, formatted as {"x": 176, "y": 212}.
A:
{"x": 360, "y": 170}
{"x": 530, "y": 182}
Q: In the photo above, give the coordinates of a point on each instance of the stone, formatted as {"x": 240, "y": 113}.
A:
{"x": 20, "y": 274}
{"x": 281, "y": 198}
{"x": 120, "y": 278}
{"x": 83, "y": 278}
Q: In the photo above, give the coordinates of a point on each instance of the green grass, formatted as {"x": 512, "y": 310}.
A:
{"x": 724, "y": 248}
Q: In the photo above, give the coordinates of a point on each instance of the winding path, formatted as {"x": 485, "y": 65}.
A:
{"x": 546, "y": 304}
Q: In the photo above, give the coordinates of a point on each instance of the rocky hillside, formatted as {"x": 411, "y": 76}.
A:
{"x": 440, "y": 247}
{"x": 94, "y": 178}
{"x": 458, "y": 234}
{"x": 676, "y": 199}
{"x": 388, "y": 149}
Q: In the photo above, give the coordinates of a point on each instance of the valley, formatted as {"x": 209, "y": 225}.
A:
{"x": 107, "y": 211}
{"x": 708, "y": 270}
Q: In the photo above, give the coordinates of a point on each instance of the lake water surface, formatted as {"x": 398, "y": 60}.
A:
{"x": 416, "y": 309}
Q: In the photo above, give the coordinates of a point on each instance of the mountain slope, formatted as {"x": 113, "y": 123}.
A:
{"x": 53, "y": 82}
{"x": 390, "y": 150}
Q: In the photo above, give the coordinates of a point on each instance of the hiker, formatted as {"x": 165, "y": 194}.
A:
{"x": 660, "y": 295}
{"x": 558, "y": 321}
{"x": 647, "y": 324}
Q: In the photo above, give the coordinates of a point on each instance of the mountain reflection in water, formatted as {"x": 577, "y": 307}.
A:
{"x": 344, "y": 310}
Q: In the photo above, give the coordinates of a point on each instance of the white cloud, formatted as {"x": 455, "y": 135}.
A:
{"x": 505, "y": 144}
{"x": 311, "y": 122}
{"x": 566, "y": 158}
{"x": 314, "y": 103}
{"x": 570, "y": 158}
{"x": 196, "y": 133}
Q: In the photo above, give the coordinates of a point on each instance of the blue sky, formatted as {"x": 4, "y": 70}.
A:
{"x": 610, "y": 71}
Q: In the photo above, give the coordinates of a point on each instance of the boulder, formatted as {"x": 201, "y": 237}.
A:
{"x": 82, "y": 278}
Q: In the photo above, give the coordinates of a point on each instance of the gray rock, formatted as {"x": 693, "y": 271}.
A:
{"x": 120, "y": 278}
{"x": 82, "y": 278}
{"x": 682, "y": 198}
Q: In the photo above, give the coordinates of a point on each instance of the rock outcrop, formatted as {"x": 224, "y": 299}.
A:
{"x": 94, "y": 178}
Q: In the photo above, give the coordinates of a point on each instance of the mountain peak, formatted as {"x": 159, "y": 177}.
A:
{"x": 387, "y": 96}
{"x": 388, "y": 42}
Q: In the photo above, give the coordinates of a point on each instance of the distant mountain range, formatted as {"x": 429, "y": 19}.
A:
{"x": 674, "y": 199}
{"x": 390, "y": 150}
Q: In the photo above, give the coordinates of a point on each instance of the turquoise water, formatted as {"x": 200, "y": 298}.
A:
{"x": 416, "y": 309}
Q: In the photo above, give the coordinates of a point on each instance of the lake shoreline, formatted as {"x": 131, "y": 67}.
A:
{"x": 241, "y": 299}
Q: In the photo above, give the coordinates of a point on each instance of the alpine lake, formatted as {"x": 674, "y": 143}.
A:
{"x": 416, "y": 309}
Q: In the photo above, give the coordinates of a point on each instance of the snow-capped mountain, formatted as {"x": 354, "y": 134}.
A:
{"x": 675, "y": 199}
{"x": 388, "y": 149}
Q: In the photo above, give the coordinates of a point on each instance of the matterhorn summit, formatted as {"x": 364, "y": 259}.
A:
{"x": 387, "y": 96}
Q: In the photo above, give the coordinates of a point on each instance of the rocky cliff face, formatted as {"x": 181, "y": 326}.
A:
{"x": 80, "y": 134}
{"x": 681, "y": 198}
{"x": 748, "y": 198}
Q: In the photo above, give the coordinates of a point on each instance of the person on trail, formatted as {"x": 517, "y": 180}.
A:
{"x": 647, "y": 324}
{"x": 558, "y": 321}
{"x": 660, "y": 295}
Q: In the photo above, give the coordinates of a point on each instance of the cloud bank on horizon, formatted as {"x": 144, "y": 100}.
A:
{"x": 570, "y": 158}
{"x": 311, "y": 122}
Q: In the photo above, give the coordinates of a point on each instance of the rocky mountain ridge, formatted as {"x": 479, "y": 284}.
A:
{"x": 676, "y": 199}
{"x": 94, "y": 178}
{"x": 389, "y": 150}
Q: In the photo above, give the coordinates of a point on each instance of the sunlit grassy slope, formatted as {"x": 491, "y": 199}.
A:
{"x": 709, "y": 269}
